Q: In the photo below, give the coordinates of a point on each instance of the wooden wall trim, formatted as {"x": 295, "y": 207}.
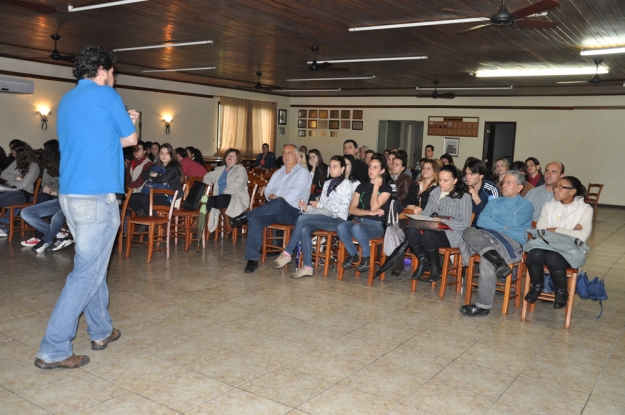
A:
{"x": 121, "y": 86}
{"x": 481, "y": 107}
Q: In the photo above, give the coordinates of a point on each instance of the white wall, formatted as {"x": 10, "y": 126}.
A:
{"x": 589, "y": 142}
{"x": 194, "y": 119}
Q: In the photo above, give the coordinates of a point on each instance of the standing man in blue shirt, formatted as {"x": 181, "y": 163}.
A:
{"x": 92, "y": 115}
{"x": 499, "y": 240}
{"x": 285, "y": 189}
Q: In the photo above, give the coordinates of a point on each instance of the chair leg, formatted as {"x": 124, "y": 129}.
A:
{"x": 263, "y": 255}
{"x": 568, "y": 312}
{"x": 12, "y": 224}
{"x": 167, "y": 236}
{"x": 458, "y": 269}
{"x": 120, "y": 238}
{"x": 129, "y": 237}
{"x": 525, "y": 291}
{"x": 151, "y": 242}
{"x": 517, "y": 285}
{"x": 373, "y": 247}
{"x": 506, "y": 293}
{"x": 444, "y": 272}
{"x": 469, "y": 293}
{"x": 341, "y": 258}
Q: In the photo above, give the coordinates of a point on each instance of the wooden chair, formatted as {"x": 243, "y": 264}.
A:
{"x": 592, "y": 198}
{"x": 123, "y": 219}
{"x": 571, "y": 274}
{"x": 273, "y": 242}
{"x": 327, "y": 255}
{"x": 375, "y": 246}
{"x": 186, "y": 221}
{"x": 158, "y": 226}
{"x": 505, "y": 288}
{"x": 16, "y": 223}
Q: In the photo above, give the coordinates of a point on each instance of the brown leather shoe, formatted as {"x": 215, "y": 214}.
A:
{"x": 72, "y": 362}
{"x": 101, "y": 344}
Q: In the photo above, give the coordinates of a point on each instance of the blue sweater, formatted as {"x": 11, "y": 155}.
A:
{"x": 511, "y": 216}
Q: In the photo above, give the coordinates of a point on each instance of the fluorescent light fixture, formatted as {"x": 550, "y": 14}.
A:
{"x": 313, "y": 90}
{"x": 99, "y": 6}
{"x": 351, "y": 78}
{"x": 406, "y": 58}
{"x": 465, "y": 88}
{"x": 418, "y": 24}
{"x": 206, "y": 68}
{"x": 539, "y": 72}
{"x": 607, "y": 51}
{"x": 166, "y": 45}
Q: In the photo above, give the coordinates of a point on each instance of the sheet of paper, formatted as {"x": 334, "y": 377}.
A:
{"x": 420, "y": 217}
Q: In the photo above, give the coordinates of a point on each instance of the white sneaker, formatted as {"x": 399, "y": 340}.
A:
{"x": 281, "y": 261}
{"x": 303, "y": 272}
{"x": 59, "y": 244}
{"x": 3, "y": 233}
{"x": 31, "y": 242}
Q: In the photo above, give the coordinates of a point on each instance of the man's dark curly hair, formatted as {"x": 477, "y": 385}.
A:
{"x": 89, "y": 59}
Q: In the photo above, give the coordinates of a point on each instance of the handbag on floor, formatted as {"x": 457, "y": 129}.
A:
{"x": 591, "y": 290}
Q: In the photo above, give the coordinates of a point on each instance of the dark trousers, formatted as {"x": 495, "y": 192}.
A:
{"x": 218, "y": 202}
{"x": 139, "y": 202}
{"x": 274, "y": 211}
{"x": 430, "y": 240}
{"x": 541, "y": 257}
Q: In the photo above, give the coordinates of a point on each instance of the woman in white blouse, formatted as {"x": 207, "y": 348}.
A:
{"x": 326, "y": 214}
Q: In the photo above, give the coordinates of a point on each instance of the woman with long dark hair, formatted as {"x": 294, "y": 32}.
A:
{"x": 533, "y": 172}
{"x": 4, "y": 159}
{"x": 318, "y": 171}
{"x": 20, "y": 175}
{"x": 326, "y": 214}
{"x": 369, "y": 208}
{"x": 567, "y": 214}
{"x": 449, "y": 203}
{"x": 419, "y": 191}
{"x": 349, "y": 172}
{"x": 166, "y": 173}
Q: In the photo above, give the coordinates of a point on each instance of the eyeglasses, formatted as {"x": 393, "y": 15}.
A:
{"x": 559, "y": 187}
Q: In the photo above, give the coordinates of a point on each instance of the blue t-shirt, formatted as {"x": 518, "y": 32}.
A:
{"x": 91, "y": 121}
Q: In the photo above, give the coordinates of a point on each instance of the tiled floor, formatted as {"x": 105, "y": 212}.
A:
{"x": 202, "y": 337}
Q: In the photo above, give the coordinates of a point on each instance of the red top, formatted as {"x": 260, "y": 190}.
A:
{"x": 192, "y": 168}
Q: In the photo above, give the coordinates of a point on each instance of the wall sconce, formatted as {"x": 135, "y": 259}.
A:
{"x": 44, "y": 112}
{"x": 167, "y": 119}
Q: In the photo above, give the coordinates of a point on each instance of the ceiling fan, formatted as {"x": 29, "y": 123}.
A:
{"x": 35, "y": 7}
{"x": 315, "y": 66}
{"x": 260, "y": 86}
{"x": 435, "y": 94}
{"x": 55, "y": 55}
{"x": 596, "y": 79}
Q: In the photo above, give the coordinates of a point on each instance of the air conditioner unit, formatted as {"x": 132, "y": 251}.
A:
{"x": 17, "y": 86}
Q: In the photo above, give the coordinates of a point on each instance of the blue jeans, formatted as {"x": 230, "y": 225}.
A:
{"x": 93, "y": 221}
{"x": 362, "y": 232}
{"x": 274, "y": 211}
{"x": 12, "y": 197}
{"x": 305, "y": 226}
{"x": 34, "y": 215}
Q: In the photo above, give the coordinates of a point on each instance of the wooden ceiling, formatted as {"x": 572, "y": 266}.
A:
{"x": 275, "y": 36}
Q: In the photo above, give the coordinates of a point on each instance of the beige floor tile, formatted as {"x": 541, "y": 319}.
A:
{"x": 186, "y": 351}
{"x": 600, "y": 406}
{"x": 561, "y": 372}
{"x": 262, "y": 300}
{"x": 308, "y": 333}
{"x": 12, "y": 350}
{"x": 10, "y": 309}
{"x": 189, "y": 323}
{"x": 390, "y": 333}
{"x": 5, "y": 393}
{"x": 344, "y": 320}
{"x": 183, "y": 390}
{"x": 128, "y": 403}
{"x": 326, "y": 365}
{"x": 28, "y": 328}
{"x": 540, "y": 395}
{"x": 237, "y": 402}
{"x": 149, "y": 336}
{"x": 275, "y": 349}
{"x": 441, "y": 399}
{"x": 266, "y": 322}
{"x": 15, "y": 405}
{"x": 495, "y": 357}
{"x": 414, "y": 362}
{"x": 136, "y": 370}
{"x": 609, "y": 386}
{"x": 577, "y": 355}
{"x": 233, "y": 368}
{"x": 299, "y": 309}
{"x": 227, "y": 310}
{"x": 383, "y": 382}
{"x": 440, "y": 343}
{"x": 406, "y": 410}
{"x": 286, "y": 386}
{"x": 346, "y": 401}
{"x": 408, "y": 317}
{"x": 584, "y": 338}
{"x": 358, "y": 347}
{"x": 620, "y": 347}
{"x": 503, "y": 407}
{"x": 115, "y": 351}
{"x": 73, "y": 393}
{"x": 23, "y": 375}
{"x": 475, "y": 378}
{"x": 230, "y": 335}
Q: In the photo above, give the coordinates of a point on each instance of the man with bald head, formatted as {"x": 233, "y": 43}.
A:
{"x": 540, "y": 195}
{"x": 283, "y": 192}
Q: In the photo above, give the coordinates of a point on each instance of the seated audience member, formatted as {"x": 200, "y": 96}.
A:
{"x": 4, "y": 160}
{"x": 567, "y": 214}
{"x": 543, "y": 194}
{"x": 11, "y": 155}
{"x": 48, "y": 235}
{"x": 21, "y": 175}
{"x": 369, "y": 208}
{"x": 148, "y": 148}
{"x": 229, "y": 190}
{"x": 279, "y": 162}
{"x": 195, "y": 154}
{"x": 287, "y": 186}
{"x": 386, "y": 154}
{"x": 266, "y": 159}
{"x": 166, "y": 172}
{"x": 362, "y": 152}
{"x": 419, "y": 191}
{"x": 304, "y": 150}
{"x": 368, "y": 155}
{"x": 302, "y": 159}
{"x": 481, "y": 191}
{"x": 318, "y": 172}
{"x": 429, "y": 152}
{"x": 349, "y": 161}
{"x": 450, "y": 199}
{"x": 447, "y": 159}
{"x": 155, "y": 148}
{"x": 402, "y": 181}
{"x": 407, "y": 171}
{"x": 360, "y": 170}
{"x": 499, "y": 170}
{"x": 533, "y": 171}
{"x": 137, "y": 166}
{"x": 190, "y": 168}
{"x": 326, "y": 214}
{"x": 498, "y": 240}
{"x": 520, "y": 166}
{"x": 417, "y": 170}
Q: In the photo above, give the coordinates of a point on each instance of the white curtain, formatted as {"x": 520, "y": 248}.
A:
{"x": 246, "y": 125}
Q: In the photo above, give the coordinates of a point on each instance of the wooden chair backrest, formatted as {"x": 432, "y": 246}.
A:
{"x": 125, "y": 204}
{"x": 36, "y": 190}
{"x": 593, "y": 196}
{"x": 160, "y": 208}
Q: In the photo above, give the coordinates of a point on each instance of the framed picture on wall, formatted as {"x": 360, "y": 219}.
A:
{"x": 323, "y": 113}
{"x": 357, "y": 115}
{"x": 302, "y": 113}
{"x": 334, "y": 133}
{"x": 334, "y": 124}
{"x": 281, "y": 130}
{"x": 301, "y": 123}
{"x": 452, "y": 146}
{"x": 301, "y": 133}
{"x": 346, "y": 125}
{"x": 334, "y": 113}
{"x": 356, "y": 125}
{"x": 322, "y": 124}
{"x": 281, "y": 117}
{"x": 345, "y": 114}
{"x": 312, "y": 123}
{"x": 312, "y": 113}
